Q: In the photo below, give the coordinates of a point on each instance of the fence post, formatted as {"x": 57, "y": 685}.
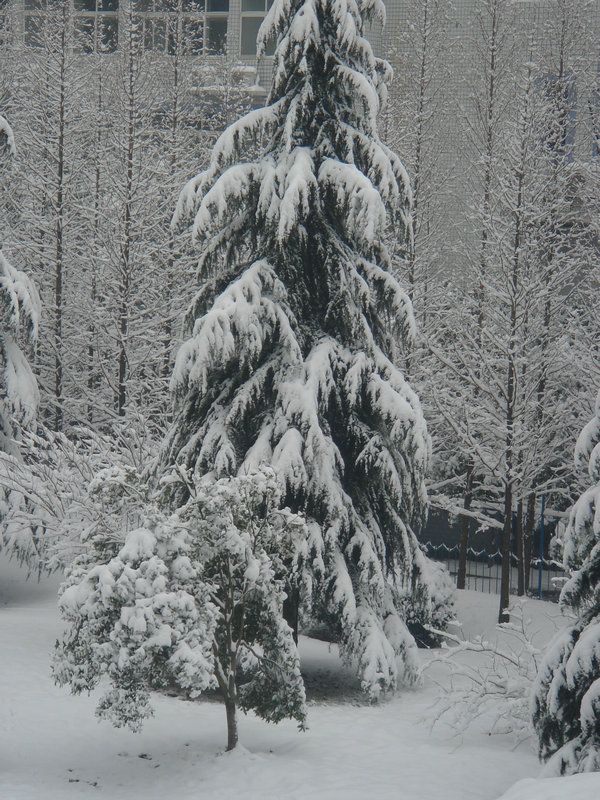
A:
{"x": 541, "y": 564}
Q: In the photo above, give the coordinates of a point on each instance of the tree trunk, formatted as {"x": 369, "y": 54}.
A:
{"x": 520, "y": 550}
{"x": 291, "y": 610}
{"x": 58, "y": 233}
{"x": 463, "y": 531}
{"x": 503, "y": 615}
{"x": 126, "y": 266}
{"x": 232, "y": 726}
{"x": 528, "y": 537}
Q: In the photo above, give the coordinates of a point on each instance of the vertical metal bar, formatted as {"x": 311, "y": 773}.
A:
{"x": 541, "y": 564}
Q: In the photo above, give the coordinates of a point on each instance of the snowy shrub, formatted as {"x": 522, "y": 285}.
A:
{"x": 143, "y": 618}
{"x": 191, "y": 600}
{"x": 490, "y": 679}
{"x": 566, "y": 697}
{"x": 57, "y": 490}
{"x": 429, "y": 604}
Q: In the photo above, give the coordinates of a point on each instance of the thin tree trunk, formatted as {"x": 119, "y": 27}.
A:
{"x": 520, "y": 550}
{"x": 417, "y": 167}
{"x": 291, "y": 610}
{"x": 232, "y": 725}
{"x": 59, "y": 227}
{"x": 91, "y": 353}
{"x": 126, "y": 255}
{"x": 503, "y": 615}
{"x": 528, "y": 536}
{"x": 463, "y": 531}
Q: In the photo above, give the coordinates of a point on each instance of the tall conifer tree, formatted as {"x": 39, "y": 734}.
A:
{"x": 298, "y": 330}
{"x": 566, "y": 695}
{"x": 19, "y": 315}
{"x": 19, "y": 395}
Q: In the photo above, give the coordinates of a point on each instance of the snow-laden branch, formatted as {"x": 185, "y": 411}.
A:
{"x": 7, "y": 138}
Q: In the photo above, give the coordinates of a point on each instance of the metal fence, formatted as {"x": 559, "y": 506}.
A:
{"x": 484, "y": 571}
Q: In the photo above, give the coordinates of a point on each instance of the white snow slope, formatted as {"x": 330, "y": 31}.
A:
{"x": 573, "y": 787}
{"x": 52, "y": 747}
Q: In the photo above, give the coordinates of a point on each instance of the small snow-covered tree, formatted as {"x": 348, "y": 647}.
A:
{"x": 566, "y": 695}
{"x": 297, "y": 331}
{"x": 192, "y": 600}
{"x": 245, "y": 543}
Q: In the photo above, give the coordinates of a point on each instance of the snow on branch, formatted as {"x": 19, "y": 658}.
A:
{"x": 379, "y": 645}
{"x": 234, "y": 143}
{"x": 7, "y": 138}
{"x": 288, "y": 191}
{"x": 488, "y": 679}
{"x": 249, "y": 309}
{"x": 587, "y": 448}
{"x": 355, "y": 196}
{"x": 582, "y": 532}
{"x": 299, "y": 188}
{"x": 231, "y": 189}
{"x": 301, "y": 32}
{"x": 20, "y": 305}
{"x": 363, "y": 91}
{"x": 19, "y": 320}
{"x": 363, "y": 149}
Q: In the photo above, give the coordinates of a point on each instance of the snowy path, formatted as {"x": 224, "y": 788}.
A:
{"x": 54, "y": 749}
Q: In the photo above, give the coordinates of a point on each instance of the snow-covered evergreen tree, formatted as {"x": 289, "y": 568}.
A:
{"x": 566, "y": 695}
{"x": 191, "y": 600}
{"x": 298, "y": 329}
{"x": 7, "y": 139}
{"x": 19, "y": 396}
{"x": 19, "y": 310}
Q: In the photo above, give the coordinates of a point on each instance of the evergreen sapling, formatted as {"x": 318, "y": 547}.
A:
{"x": 188, "y": 601}
{"x": 566, "y": 694}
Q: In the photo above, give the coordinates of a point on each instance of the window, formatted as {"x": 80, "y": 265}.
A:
{"x": 95, "y": 25}
{"x": 216, "y": 35}
{"x": 34, "y": 22}
{"x": 253, "y": 13}
{"x": 192, "y": 27}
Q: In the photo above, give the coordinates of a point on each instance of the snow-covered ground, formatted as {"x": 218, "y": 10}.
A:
{"x": 574, "y": 787}
{"x": 54, "y": 749}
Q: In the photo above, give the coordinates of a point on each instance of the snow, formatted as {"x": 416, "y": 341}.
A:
{"x": 365, "y": 214}
{"x": 574, "y": 787}
{"x": 20, "y": 384}
{"x": 587, "y": 448}
{"x": 6, "y": 132}
{"x": 52, "y": 745}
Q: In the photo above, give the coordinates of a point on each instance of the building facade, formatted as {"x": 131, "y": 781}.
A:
{"x": 229, "y": 27}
